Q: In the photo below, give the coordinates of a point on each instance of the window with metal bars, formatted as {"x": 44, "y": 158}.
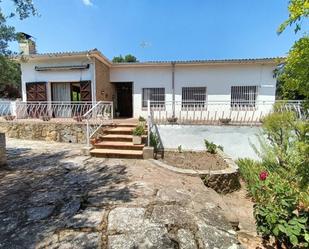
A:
{"x": 193, "y": 97}
{"x": 155, "y": 95}
{"x": 244, "y": 96}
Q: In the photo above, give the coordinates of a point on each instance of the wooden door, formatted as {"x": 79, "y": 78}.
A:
{"x": 85, "y": 91}
{"x": 124, "y": 99}
{"x": 36, "y": 91}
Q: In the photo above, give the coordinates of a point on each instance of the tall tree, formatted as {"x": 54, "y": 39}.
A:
{"x": 9, "y": 70}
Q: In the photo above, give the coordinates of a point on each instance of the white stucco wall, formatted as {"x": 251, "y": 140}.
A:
{"x": 29, "y": 74}
{"x": 217, "y": 78}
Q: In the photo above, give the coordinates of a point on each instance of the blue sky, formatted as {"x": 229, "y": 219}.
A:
{"x": 161, "y": 29}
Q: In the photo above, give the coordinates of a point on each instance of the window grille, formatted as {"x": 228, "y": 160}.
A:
{"x": 244, "y": 96}
{"x": 155, "y": 95}
{"x": 193, "y": 97}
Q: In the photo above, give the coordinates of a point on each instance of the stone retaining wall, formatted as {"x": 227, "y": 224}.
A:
{"x": 222, "y": 181}
{"x": 58, "y": 132}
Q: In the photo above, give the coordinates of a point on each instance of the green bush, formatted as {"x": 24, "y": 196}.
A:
{"x": 278, "y": 212}
{"x": 212, "y": 147}
{"x": 279, "y": 183}
{"x": 154, "y": 141}
{"x": 139, "y": 130}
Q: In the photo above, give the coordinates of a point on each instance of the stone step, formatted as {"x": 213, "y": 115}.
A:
{"x": 118, "y": 145}
{"x": 120, "y": 137}
{"x": 120, "y": 130}
{"x": 117, "y": 138}
{"x": 127, "y": 125}
{"x": 112, "y": 153}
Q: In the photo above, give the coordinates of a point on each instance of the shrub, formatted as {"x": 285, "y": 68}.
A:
{"x": 250, "y": 170}
{"x": 212, "y": 147}
{"x": 279, "y": 183}
{"x": 278, "y": 212}
{"x": 139, "y": 130}
{"x": 154, "y": 141}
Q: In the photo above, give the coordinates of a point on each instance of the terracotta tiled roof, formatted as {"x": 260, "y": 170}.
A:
{"x": 207, "y": 61}
{"x": 210, "y": 61}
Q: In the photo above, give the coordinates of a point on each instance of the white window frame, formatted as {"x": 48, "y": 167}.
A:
{"x": 244, "y": 97}
{"x": 156, "y": 95}
{"x": 192, "y": 98}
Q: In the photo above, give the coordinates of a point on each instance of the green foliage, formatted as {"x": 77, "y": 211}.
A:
{"x": 154, "y": 141}
{"x": 179, "y": 148}
{"x": 293, "y": 80}
{"x": 9, "y": 70}
{"x": 139, "y": 130}
{"x": 10, "y": 78}
{"x": 278, "y": 213}
{"x": 282, "y": 195}
{"x": 249, "y": 170}
{"x": 212, "y": 147}
{"x": 23, "y": 9}
{"x": 128, "y": 58}
{"x": 298, "y": 10}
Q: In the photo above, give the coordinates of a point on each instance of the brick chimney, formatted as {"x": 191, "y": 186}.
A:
{"x": 27, "y": 44}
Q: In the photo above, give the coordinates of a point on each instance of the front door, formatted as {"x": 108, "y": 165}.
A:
{"x": 124, "y": 100}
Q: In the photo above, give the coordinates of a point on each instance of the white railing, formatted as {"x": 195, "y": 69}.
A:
{"x": 5, "y": 108}
{"x": 100, "y": 114}
{"x": 215, "y": 112}
{"x": 153, "y": 131}
{"x": 52, "y": 109}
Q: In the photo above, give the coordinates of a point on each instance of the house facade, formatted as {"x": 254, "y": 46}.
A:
{"x": 169, "y": 85}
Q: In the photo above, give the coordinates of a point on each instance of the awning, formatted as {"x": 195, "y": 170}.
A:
{"x": 62, "y": 68}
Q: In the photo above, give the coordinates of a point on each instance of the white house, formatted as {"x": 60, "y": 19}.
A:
{"x": 171, "y": 86}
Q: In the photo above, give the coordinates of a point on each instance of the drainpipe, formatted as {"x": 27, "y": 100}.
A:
{"x": 173, "y": 87}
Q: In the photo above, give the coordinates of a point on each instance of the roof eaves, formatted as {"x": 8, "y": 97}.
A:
{"x": 197, "y": 62}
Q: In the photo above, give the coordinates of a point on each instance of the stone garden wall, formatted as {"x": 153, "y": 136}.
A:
{"x": 222, "y": 181}
{"x": 58, "y": 132}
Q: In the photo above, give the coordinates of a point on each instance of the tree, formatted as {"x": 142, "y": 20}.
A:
{"x": 294, "y": 78}
{"x": 9, "y": 70}
{"x": 128, "y": 58}
{"x": 298, "y": 10}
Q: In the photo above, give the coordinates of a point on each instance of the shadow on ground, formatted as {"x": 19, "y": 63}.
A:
{"x": 41, "y": 192}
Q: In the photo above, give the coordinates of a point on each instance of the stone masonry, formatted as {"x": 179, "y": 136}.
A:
{"x": 48, "y": 131}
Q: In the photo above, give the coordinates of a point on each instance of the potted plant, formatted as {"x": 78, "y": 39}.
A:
{"x": 45, "y": 118}
{"x": 137, "y": 133}
{"x": 9, "y": 117}
{"x": 225, "y": 120}
{"x": 172, "y": 119}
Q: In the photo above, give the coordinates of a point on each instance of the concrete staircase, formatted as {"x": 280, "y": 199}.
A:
{"x": 117, "y": 143}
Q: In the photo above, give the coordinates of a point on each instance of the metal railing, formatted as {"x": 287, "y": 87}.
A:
{"x": 220, "y": 112}
{"x": 5, "y": 108}
{"x": 153, "y": 131}
{"x": 99, "y": 115}
{"x": 52, "y": 109}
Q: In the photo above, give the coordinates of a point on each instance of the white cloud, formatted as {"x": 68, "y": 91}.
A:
{"x": 88, "y": 2}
